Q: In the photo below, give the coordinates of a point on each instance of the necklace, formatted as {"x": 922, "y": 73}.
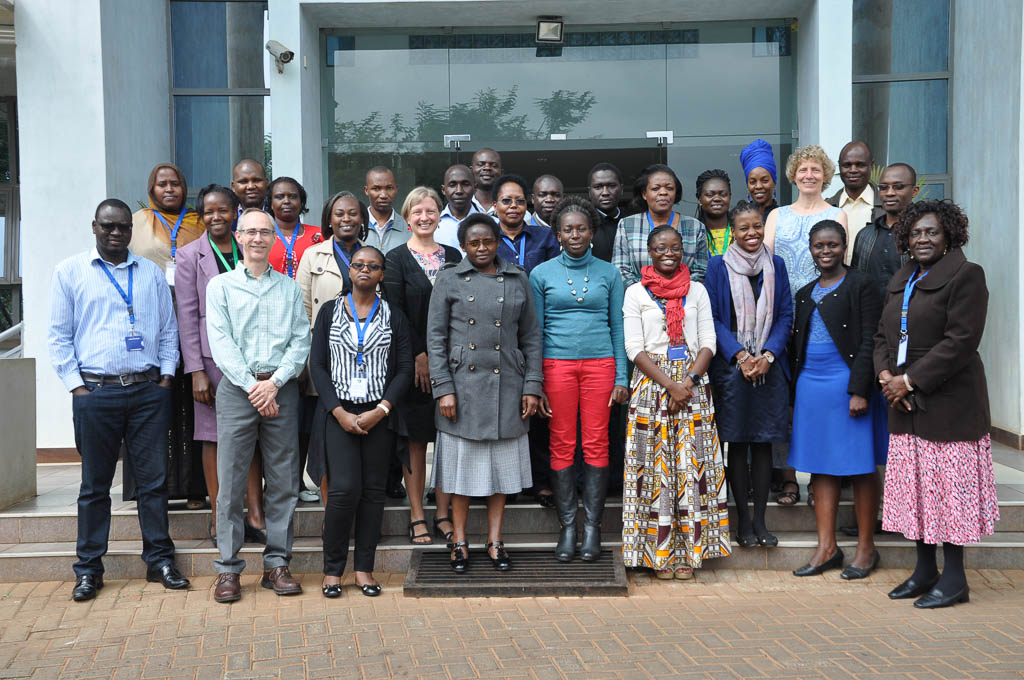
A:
{"x": 572, "y": 288}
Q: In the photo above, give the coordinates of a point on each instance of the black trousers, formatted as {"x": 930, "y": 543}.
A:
{"x": 140, "y": 414}
{"x": 357, "y": 469}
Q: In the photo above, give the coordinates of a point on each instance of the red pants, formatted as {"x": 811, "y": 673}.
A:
{"x": 579, "y": 386}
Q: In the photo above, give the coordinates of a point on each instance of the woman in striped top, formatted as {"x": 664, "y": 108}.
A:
{"x": 361, "y": 365}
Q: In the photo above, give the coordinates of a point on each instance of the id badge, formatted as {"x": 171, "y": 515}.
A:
{"x": 359, "y": 388}
{"x": 133, "y": 342}
{"x": 901, "y": 353}
{"x": 678, "y": 353}
{"x": 169, "y": 273}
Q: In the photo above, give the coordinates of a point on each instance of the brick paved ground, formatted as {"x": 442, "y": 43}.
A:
{"x": 730, "y": 624}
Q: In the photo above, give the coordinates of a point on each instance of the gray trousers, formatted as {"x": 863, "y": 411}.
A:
{"x": 239, "y": 427}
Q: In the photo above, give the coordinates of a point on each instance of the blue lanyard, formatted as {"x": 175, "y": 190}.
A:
{"x": 661, "y": 306}
{"x": 361, "y": 329}
{"x": 342, "y": 255}
{"x": 127, "y": 297}
{"x": 174, "y": 232}
{"x": 521, "y": 253}
{"x": 289, "y": 248}
{"x": 907, "y": 292}
{"x": 650, "y": 220}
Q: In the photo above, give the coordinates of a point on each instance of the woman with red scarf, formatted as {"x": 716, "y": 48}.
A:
{"x": 674, "y": 512}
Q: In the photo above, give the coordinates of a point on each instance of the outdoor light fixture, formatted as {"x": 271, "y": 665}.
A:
{"x": 549, "y": 30}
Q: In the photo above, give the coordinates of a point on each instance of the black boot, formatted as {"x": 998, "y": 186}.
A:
{"x": 595, "y": 486}
{"x": 566, "y": 506}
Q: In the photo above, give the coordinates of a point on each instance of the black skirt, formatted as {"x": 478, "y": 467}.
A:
{"x": 418, "y": 409}
{"x": 747, "y": 412}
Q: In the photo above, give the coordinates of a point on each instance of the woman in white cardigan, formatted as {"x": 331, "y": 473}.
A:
{"x": 674, "y": 512}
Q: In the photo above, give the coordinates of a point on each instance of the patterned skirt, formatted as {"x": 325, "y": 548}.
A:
{"x": 940, "y": 492}
{"x": 674, "y": 511}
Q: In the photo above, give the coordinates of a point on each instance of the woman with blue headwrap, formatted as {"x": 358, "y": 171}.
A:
{"x": 758, "y": 163}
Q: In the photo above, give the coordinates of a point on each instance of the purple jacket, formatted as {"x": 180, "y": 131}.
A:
{"x": 196, "y": 265}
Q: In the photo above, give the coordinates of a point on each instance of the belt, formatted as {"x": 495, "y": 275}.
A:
{"x": 263, "y": 376}
{"x": 152, "y": 375}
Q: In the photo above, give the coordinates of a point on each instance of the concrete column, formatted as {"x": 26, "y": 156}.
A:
{"x": 824, "y": 77}
{"x": 988, "y": 182}
{"x": 93, "y": 89}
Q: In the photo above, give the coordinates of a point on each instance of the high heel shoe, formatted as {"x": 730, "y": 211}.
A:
{"x": 852, "y": 573}
{"x": 460, "y": 557}
{"x": 911, "y": 588}
{"x": 833, "y": 562}
{"x": 501, "y": 561}
{"x": 935, "y": 598}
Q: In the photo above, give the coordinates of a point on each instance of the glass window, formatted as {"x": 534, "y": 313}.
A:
{"x": 217, "y": 44}
{"x": 900, "y": 36}
{"x": 212, "y": 133}
{"x": 5, "y": 144}
{"x": 904, "y": 122}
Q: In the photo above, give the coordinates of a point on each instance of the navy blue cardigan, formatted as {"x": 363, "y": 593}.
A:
{"x": 716, "y": 281}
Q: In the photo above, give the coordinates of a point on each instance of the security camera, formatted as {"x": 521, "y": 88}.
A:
{"x": 282, "y": 55}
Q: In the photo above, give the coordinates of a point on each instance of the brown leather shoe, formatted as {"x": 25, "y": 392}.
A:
{"x": 226, "y": 588}
{"x": 280, "y": 579}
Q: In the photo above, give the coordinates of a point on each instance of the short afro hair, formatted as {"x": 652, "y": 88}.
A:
{"x": 574, "y": 204}
{"x": 951, "y": 217}
{"x": 473, "y": 220}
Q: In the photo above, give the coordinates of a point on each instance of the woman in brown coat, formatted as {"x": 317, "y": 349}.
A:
{"x": 939, "y": 484}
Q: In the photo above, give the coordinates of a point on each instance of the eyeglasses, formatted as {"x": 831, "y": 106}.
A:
{"x": 899, "y": 186}
{"x": 111, "y": 227}
{"x": 510, "y": 201}
{"x": 484, "y": 243}
{"x": 661, "y": 250}
{"x": 367, "y": 266}
{"x": 262, "y": 233}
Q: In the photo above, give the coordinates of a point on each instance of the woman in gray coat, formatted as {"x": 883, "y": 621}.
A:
{"x": 484, "y": 346}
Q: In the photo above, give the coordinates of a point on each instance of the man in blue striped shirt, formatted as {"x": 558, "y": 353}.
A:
{"x": 114, "y": 344}
{"x": 259, "y": 338}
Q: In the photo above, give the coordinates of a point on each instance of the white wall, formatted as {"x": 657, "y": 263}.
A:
{"x": 988, "y": 181}
{"x": 89, "y": 75}
{"x": 824, "y": 78}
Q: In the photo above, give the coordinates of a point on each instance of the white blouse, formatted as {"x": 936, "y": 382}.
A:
{"x": 644, "y": 323}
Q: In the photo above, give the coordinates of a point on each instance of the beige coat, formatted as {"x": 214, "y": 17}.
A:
{"x": 320, "y": 281}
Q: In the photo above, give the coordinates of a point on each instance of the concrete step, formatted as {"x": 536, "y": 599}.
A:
{"x": 520, "y": 518}
{"x": 52, "y": 561}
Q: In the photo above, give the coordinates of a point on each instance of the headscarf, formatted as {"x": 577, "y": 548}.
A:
{"x": 758, "y": 154}
{"x": 673, "y": 290}
{"x": 753, "y": 318}
{"x": 191, "y": 228}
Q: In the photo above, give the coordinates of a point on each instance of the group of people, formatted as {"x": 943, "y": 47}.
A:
{"x": 561, "y": 351}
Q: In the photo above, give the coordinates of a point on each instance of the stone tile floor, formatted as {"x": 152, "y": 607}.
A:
{"x": 727, "y": 624}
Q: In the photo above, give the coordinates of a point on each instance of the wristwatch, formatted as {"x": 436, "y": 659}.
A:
{"x": 694, "y": 378}
{"x": 769, "y": 356}
{"x": 277, "y": 382}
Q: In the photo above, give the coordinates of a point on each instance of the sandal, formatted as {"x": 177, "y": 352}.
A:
{"x": 413, "y": 535}
{"x": 196, "y": 504}
{"x": 683, "y": 573}
{"x": 446, "y": 535}
{"x": 788, "y": 498}
{"x": 664, "y": 574}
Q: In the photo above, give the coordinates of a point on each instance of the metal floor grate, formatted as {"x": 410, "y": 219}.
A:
{"x": 533, "y": 573}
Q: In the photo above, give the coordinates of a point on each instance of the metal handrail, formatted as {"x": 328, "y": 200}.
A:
{"x": 17, "y": 330}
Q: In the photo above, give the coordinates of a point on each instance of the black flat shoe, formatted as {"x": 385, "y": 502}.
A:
{"x": 746, "y": 540}
{"x": 395, "y": 490}
{"x": 910, "y": 588}
{"x": 852, "y": 573}
{"x": 168, "y": 575}
{"x": 86, "y": 587}
{"x": 767, "y": 540}
{"x": 546, "y": 500}
{"x": 460, "y": 557}
{"x": 935, "y": 598}
{"x": 331, "y": 590}
{"x": 369, "y": 589}
{"x": 833, "y": 562}
{"x": 501, "y": 562}
{"x": 254, "y": 535}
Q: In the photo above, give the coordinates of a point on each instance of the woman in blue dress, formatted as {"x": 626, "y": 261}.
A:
{"x": 810, "y": 170}
{"x": 839, "y": 425}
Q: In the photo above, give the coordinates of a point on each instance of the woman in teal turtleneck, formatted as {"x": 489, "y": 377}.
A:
{"x": 579, "y": 303}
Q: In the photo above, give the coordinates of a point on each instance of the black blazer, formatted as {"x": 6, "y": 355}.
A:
{"x": 407, "y": 288}
{"x": 851, "y": 314}
{"x": 396, "y": 383}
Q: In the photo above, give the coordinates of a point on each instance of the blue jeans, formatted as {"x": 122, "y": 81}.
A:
{"x": 139, "y": 414}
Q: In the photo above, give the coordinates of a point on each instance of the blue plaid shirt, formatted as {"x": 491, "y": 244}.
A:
{"x": 630, "y": 251}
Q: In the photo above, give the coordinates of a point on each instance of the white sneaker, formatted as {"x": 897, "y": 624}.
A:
{"x": 307, "y": 496}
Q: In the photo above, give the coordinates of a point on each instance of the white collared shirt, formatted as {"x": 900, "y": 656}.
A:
{"x": 858, "y": 215}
